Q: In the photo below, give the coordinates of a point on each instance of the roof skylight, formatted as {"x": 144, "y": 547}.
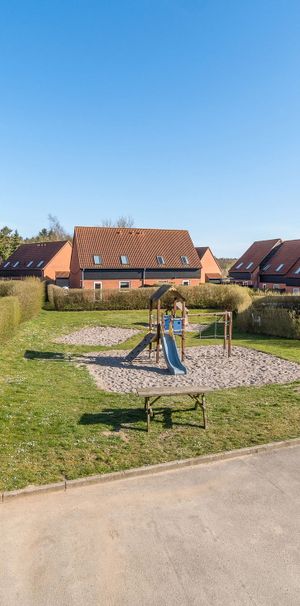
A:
{"x": 239, "y": 265}
{"x": 265, "y": 267}
{"x": 249, "y": 265}
{"x": 40, "y": 263}
{"x": 16, "y": 263}
{"x": 297, "y": 271}
{"x": 124, "y": 260}
{"x": 6, "y": 264}
{"x": 29, "y": 264}
{"x": 97, "y": 259}
{"x": 160, "y": 260}
{"x": 184, "y": 260}
{"x": 280, "y": 266}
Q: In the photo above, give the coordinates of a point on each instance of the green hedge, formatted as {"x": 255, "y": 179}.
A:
{"x": 29, "y": 292}
{"x": 10, "y": 315}
{"x": 213, "y": 296}
{"x": 277, "y": 316}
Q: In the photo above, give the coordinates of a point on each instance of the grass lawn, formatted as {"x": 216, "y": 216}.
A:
{"x": 55, "y": 423}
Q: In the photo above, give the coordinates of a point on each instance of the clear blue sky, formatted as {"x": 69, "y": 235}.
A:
{"x": 181, "y": 113}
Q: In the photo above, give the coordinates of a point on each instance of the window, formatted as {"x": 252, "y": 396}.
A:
{"x": 29, "y": 264}
{"x": 297, "y": 271}
{"x": 6, "y": 264}
{"x": 185, "y": 282}
{"x": 97, "y": 285}
{"x": 296, "y": 291}
{"x": 16, "y": 263}
{"x": 239, "y": 265}
{"x": 160, "y": 260}
{"x": 97, "y": 259}
{"x": 279, "y": 267}
{"x": 184, "y": 260}
{"x": 40, "y": 263}
{"x": 124, "y": 259}
{"x": 266, "y": 266}
{"x": 249, "y": 265}
{"x": 124, "y": 284}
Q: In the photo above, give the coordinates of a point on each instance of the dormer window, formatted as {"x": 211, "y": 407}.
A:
{"x": 184, "y": 260}
{"x": 279, "y": 267}
{"x": 29, "y": 264}
{"x": 97, "y": 259}
{"x": 6, "y": 264}
{"x": 40, "y": 263}
{"x": 249, "y": 265}
{"x": 160, "y": 260}
{"x": 266, "y": 266}
{"x": 124, "y": 260}
{"x": 16, "y": 263}
{"x": 239, "y": 265}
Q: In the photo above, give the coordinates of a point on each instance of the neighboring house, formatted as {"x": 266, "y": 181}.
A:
{"x": 270, "y": 264}
{"x": 40, "y": 259}
{"x": 113, "y": 257}
{"x": 210, "y": 269}
{"x": 246, "y": 270}
{"x": 282, "y": 270}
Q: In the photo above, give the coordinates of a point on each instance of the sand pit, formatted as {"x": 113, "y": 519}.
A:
{"x": 98, "y": 335}
{"x": 206, "y": 365}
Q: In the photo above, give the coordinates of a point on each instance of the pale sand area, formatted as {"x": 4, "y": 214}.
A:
{"x": 98, "y": 335}
{"x": 206, "y": 365}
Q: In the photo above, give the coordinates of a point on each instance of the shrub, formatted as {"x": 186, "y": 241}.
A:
{"x": 277, "y": 316}
{"x": 29, "y": 292}
{"x": 10, "y": 316}
{"x": 232, "y": 298}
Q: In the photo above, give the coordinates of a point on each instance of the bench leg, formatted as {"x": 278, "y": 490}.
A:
{"x": 203, "y": 406}
{"x": 148, "y": 412}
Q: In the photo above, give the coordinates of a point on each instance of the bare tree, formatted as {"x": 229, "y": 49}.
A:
{"x": 122, "y": 221}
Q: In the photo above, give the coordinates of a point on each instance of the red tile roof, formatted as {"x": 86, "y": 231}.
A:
{"x": 287, "y": 255}
{"x": 255, "y": 255}
{"x": 33, "y": 251}
{"x": 141, "y": 246}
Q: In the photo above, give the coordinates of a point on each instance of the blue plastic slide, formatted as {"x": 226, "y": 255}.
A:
{"x": 174, "y": 364}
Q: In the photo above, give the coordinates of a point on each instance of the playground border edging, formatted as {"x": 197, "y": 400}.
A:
{"x": 146, "y": 470}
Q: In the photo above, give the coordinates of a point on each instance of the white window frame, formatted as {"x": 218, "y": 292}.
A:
{"x": 296, "y": 291}
{"x": 297, "y": 271}
{"x": 100, "y": 290}
{"x": 239, "y": 265}
{"x": 100, "y": 259}
{"x": 280, "y": 266}
{"x": 29, "y": 263}
{"x": 124, "y": 282}
{"x": 249, "y": 265}
{"x": 186, "y": 283}
{"x": 160, "y": 260}
{"x": 6, "y": 264}
{"x": 184, "y": 260}
{"x": 40, "y": 263}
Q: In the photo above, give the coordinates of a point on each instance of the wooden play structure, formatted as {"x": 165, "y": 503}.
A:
{"x": 164, "y": 328}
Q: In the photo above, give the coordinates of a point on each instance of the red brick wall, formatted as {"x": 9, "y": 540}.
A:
{"x": 112, "y": 284}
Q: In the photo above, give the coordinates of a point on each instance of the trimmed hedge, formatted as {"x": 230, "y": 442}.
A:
{"x": 10, "y": 315}
{"x": 277, "y": 316}
{"x": 213, "y": 296}
{"x": 29, "y": 292}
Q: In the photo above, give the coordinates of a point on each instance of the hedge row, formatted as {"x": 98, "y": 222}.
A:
{"x": 19, "y": 301}
{"x": 213, "y": 296}
{"x": 29, "y": 292}
{"x": 275, "y": 316}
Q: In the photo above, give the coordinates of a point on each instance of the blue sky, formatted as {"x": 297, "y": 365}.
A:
{"x": 181, "y": 113}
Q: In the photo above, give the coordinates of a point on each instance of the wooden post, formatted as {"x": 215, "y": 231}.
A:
{"x": 230, "y": 334}
{"x": 150, "y": 325}
{"x": 225, "y": 331}
{"x": 158, "y": 331}
{"x": 183, "y": 331}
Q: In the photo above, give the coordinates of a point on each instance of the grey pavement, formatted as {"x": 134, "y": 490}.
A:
{"x": 222, "y": 534}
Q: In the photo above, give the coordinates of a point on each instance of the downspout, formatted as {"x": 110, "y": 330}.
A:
{"x": 144, "y": 276}
{"x": 82, "y": 278}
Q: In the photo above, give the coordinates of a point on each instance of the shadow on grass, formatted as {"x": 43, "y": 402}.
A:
{"x": 31, "y": 354}
{"x": 122, "y": 418}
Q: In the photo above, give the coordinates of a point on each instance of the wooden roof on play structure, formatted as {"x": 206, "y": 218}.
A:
{"x": 158, "y": 294}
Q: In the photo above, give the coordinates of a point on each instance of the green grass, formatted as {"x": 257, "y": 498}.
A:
{"x": 55, "y": 423}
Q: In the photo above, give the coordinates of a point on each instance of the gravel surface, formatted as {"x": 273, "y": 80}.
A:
{"x": 207, "y": 366}
{"x": 98, "y": 335}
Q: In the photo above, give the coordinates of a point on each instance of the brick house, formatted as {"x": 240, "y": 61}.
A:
{"x": 246, "y": 270}
{"x": 270, "y": 264}
{"x": 282, "y": 270}
{"x": 210, "y": 270}
{"x": 112, "y": 257}
{"x": 43, "y": 260}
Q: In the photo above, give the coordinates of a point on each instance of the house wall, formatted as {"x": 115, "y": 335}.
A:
{"x": 209, "y": 266}
{"x": 60, "y": 262}
{"x": 134, "y": 283}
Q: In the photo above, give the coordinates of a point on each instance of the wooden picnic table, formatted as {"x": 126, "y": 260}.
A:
{"x": 153, "y": 394}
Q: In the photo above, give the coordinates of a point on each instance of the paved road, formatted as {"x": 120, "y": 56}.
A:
{"x": 225, "y": 533}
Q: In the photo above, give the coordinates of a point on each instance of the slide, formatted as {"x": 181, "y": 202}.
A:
{"x": 149, "y": 338}
{"x": 174, "y": 364}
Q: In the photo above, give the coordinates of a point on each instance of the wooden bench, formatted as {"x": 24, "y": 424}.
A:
{"x": 152, "y": 394}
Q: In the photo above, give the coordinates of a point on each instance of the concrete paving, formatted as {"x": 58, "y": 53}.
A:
{"x": 224, "y": 533}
